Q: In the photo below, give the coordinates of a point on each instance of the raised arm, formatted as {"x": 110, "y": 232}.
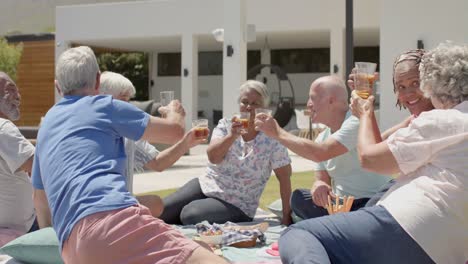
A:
{"x": 169, "y": 156}
{"x": 283, "y": 174}
{"x": 305, "y": 148}
{"x": 220, "y": 146}
{"x": 167, "y": 130}
{"x": 374, "y": 156}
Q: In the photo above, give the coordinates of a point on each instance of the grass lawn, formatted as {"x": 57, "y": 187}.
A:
{"x": 271, "y": 192}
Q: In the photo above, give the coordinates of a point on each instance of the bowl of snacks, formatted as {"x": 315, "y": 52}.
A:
{"x": 212, "y": 237}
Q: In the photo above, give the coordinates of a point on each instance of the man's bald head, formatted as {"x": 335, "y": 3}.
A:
{"x": 331, "y": 86}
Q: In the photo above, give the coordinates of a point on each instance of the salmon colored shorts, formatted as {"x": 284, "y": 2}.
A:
{"x": 129, "y": 235}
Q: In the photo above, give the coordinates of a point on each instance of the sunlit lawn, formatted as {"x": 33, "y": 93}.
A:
{"x": 271, "y": 192}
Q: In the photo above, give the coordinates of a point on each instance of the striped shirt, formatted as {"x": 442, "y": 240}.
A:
{"x": 138, "y": 154}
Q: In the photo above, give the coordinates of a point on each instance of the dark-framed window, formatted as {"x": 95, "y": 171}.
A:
{"x": 209, "y": 62}
{"x": 302, "y": 60}
{"x": 169, "y": 64}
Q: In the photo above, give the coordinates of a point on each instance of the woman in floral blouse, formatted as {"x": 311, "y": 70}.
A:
{"x": 240, "y": 166}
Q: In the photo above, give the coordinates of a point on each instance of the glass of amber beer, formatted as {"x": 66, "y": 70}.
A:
{"x": 364, "y": 78}
{"x": 244, "y": 119}
{"x": 201, "y": 128}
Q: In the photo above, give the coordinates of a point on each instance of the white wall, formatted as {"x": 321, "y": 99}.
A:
{"x": 90, "y": 22}
{"x": 33, "y": 16}
{"x": 402, "y": 23}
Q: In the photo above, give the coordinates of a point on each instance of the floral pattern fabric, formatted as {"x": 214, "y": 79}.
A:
{"x": 241, "y": 177}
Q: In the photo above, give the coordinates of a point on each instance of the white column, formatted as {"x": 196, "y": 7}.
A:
{"x": 235, "y": 65}
{"x": 60, "y": 47}
{"x": 189, "y": 77}
{"x": 337, "y": 51}
{"x": 153, "y": 92}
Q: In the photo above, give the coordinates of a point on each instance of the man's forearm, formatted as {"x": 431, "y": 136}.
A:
{"x": 305, "y": 148}
{"x": 162, "y": 130}
{"x": 176, "y": 118}
{"x": 168, "y": 157}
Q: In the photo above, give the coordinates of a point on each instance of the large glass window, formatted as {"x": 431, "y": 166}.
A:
{"x": 169, "y": 64}
{"x": 253, "y": 58}
{"x": 302, "y": 60}
{"x": 209, "y": 62}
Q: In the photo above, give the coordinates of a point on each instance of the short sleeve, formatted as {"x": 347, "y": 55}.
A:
{"x": 413, "y": 146}
{"x": 221, "y": 130}
{"x": 128, "y": 121}
{"x": 14, "y": 148}
{"x": 348, "y": 133}
{"x": 144, "y": 153}
{"x": 320, "y": 166}
{"x": 279, "y": 156}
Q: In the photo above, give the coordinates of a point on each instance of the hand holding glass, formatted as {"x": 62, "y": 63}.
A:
{"x": 201, "y": 128}
{"x": 364, "y": 78}
{"x": 244, "y": 119}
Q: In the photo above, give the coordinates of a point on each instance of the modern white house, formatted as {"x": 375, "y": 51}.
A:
{"x": 304, "y": 37}
{"x": 307, "y": 35}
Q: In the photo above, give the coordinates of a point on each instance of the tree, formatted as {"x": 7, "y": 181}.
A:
{"x": 10, "y": 56}
{"x": 133, "y": 65}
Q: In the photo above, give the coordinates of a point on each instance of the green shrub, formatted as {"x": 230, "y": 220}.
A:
{"x": 10, "y": 56}
{"x": 134, "y": 66}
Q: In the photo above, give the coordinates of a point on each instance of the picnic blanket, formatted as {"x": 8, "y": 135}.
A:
{"x": 252, "y": 255}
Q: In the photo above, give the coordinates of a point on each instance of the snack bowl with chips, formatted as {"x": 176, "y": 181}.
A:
{"x": 212, "y": 237}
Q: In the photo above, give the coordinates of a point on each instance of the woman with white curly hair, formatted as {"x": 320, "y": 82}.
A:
{"x": 423, "y": 218}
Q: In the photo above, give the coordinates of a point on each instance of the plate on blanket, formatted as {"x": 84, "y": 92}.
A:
{"x": 261, "y": 226}
{"x": 212, "y": 239}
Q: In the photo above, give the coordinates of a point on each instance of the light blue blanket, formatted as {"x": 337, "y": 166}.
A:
{"x": 247, "y": 255}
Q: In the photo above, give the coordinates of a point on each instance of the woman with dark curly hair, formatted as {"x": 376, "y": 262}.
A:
{"x": 423, "y": 217}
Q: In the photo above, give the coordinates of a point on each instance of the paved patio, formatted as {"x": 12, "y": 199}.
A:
{"x": 189, "y": 167}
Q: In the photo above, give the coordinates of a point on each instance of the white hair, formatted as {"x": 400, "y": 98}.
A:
{"x": 76, "y": 69}
{"x": 444, "y": 73}
{"x": 115, "y": 84}
{"x": 258, "y": 87}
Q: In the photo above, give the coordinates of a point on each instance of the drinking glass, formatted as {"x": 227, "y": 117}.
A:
{"x": 244, "y": 119}
{"x": 364, "y": 78}
{"x": 201, "y": 128}
{"x": 166, "y": 97}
